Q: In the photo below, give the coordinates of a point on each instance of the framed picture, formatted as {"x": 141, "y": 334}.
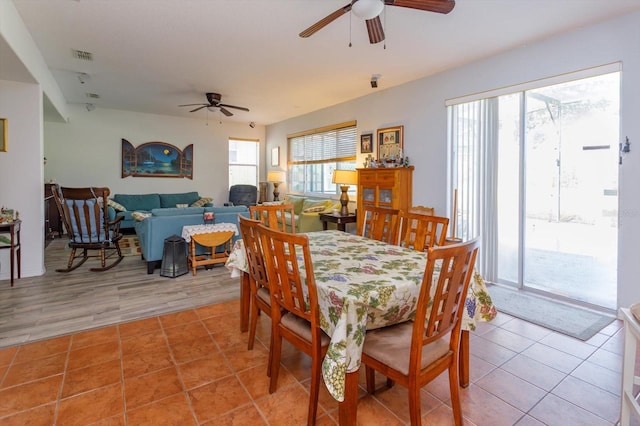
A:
{"x": 366, "y": 143}
{"x": 275, "y": 156}
{"x": 3, "y": 135}
{"x": 156, "y": 159}
{"x": 390, "y": 142}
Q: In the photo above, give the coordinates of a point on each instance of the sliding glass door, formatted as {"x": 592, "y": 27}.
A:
{"x": 544, "y": 192}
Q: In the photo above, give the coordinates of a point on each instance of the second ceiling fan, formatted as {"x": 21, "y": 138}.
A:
{"x": 370, "y": 11}
{"x": 214, "y": 102}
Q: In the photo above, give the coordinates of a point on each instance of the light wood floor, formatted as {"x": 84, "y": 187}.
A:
{"x": 61, "y": 303}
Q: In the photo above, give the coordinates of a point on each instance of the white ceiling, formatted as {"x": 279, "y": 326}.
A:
{"x": 152, "y": 55}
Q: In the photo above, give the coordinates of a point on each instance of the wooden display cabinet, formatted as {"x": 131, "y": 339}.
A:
{"x": 384, "y": 187}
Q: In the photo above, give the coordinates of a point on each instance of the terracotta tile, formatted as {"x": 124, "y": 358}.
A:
{"x": 218, "y": 309}
{"x": 529, "y": 421}
{"x": 151, "y": 387}
{"x": 615, "y": 343}
{"x": 91, "y": 407}
{"x": 490, "y": 352}
{"x": 295, "y": 398}
{"x": 139, "y": 363}
{"x": 173, "y": 410}
{"x": 40, "y": 416}
{"x": 533, "y": 372}
{"x": 184, "y": 332}
{"x": 7, "y": 355}
{"x": 298, "y": 364}
{"x": 217, "y": 398}
{"x": 229, "y": 339}
{"x": 396, "y": 399}
{"x": 144, "y": 342}
{"x": 139, "y": 327}
{"x": 372, "y": 412}
{"x": 569, "y": 345}
{"x": 508, "y": 339}
{"x": 257, "y": 382}
{"x": 193, "y": 349}
{"x": 94, "y": 337}
{"x": 478, "y": 368}
{"x": 42, "y": 349}
{"x": 442, "y": 416}
{"x": 91, "y": 355}
{"x": 524, "y": 328}
{"x": 589, "y": 397}
{"x": 483, "y": 408}
{"x": 246, "y": 415}
{"x": 512, "y": 389}
{"x": 23, "y": 372}
{"x": 176, "y": 318}
{"x": 204, "y": 370}
{"x": 93, "y": 377}
{"x": 607, "y": 359}
{"x": 243, "y": 359}
{"x": 553, "y": 358}
{"x": 556, "y": 411}
{"x": 29, "y": 395}
{"x": 601, "y": 377}
{"x": 111, "y": 421}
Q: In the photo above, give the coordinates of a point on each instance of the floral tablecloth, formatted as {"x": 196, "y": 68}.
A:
{"x": 366, "y": 284}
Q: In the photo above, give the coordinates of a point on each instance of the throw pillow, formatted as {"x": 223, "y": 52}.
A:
{"x": 202, "y": 201}
{"x": 315, "y": 209}
{"x": 140, "y": 216}
{"x": 116, "y": 206}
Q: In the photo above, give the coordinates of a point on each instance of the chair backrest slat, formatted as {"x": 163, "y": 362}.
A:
{"x": 419, "y": 231}
{"x": 253, "y": 250}
{"x": 83, "y": 213}
{"x": 379, "y": 223}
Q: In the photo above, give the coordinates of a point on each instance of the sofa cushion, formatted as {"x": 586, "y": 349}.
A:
{"x": 138, "y": 216}
{"x": 226, "y": 209}
{"x": 116, "y": 206}
{"x": 177, "y": 211}
{"x": 202, "y": 201}
{"x": 297, "y": 202}
{"x": 315, "y": 206}
{"x": 133, "y": 202}
{"x": 170, "y": 200}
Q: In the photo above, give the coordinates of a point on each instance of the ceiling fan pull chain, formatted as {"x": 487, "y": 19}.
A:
{"x": 384, "y": 18}
{"x": 350, "y": 13}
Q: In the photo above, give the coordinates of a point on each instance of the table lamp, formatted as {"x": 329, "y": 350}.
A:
{"x": 344, "y": 178}
{"x": 276, "y": 177}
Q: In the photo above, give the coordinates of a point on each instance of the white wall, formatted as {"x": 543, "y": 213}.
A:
{"x": 86, "y": 151}
{"x": 420, "y": 107}
{"x": 21, "y": 172}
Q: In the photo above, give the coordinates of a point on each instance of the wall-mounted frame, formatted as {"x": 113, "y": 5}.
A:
{"x": 275, "y": 156}
{"x": 390, "y": 142}
{"x": 156, "y": 159}
{"x": 3, "y": 134}
{"x": 366, "y": 143}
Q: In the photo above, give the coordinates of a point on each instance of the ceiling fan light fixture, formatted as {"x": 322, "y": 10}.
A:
{"x": 212, "y": 108}
{"x": 367, "y": 9}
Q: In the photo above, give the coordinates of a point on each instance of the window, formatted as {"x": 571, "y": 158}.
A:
{"x": 243, "y": 161}
{"x": 316, "y": 153}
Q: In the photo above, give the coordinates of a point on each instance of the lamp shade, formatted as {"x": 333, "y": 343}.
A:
{"x": 276, "y": 176}
{"x": 345, "y": 177}
{"x": 367, "y": 9}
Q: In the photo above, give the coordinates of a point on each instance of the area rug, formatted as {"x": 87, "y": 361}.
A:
{"x": 130, "y": 245}
{"x": 567, "y": 319}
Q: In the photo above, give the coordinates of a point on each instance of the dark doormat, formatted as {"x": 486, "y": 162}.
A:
{"x": 567, "y": 319}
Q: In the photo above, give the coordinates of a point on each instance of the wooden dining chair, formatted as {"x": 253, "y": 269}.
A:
{"x": 415, "y": 352}
{"x": 430, "y": 211}
{"x": 295, "y": 314}
{"x": 258, "y": 280}
{"x": 275, "y": 216}
{"x": 419, "y": 231}
{"x": 379, "y": 224}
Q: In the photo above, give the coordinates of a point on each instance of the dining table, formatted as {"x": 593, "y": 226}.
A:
{"x": 364, "y": 284}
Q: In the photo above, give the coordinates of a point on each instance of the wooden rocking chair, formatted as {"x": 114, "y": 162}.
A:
{"x": 86, "y": 219}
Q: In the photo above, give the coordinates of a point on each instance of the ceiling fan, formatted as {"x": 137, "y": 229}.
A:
{"x": 370, "y": 10}
{"x": 214, "y": 102}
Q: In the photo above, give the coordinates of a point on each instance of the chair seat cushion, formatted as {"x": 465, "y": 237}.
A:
{"x": 392, "y": 346}
{"x": 263, "y": 294}
{"x": 302, "y": 328}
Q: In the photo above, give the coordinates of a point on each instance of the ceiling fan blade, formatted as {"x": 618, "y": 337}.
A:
{"x": 191, "y": 105}
{"x": 233, "y": 106}
{"x": 198, "y": 109}
{"x": 374, "y": 28}
{"x": 438, "y": 6}
{"x": 225, "y": 111}
{"x": 325, "y": 21}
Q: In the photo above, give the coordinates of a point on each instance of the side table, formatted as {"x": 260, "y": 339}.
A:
{"x": 14, "y": 245}
{"x": 341, "y": 221}
{"x": 209, "y": 236}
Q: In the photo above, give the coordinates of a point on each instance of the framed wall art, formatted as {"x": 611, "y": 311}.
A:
{"x": 275, "y": 156}
{"x": 3, "y": 135}
{"x": 390, "y": 142}
{"x": 156, "y": 159}
{"x": 366, "y": 143}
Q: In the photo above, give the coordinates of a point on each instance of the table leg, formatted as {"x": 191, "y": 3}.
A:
{"x": 325, "y": 225}
{"x": 463, "y": 360}
{"x": 245, "y": 300}
{"x": 348, "y": 409}
{"x": 342, "y": 227}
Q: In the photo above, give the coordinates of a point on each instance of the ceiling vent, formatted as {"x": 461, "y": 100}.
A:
{"x": 93, "y": 95}
{"x": 82, "y": 55}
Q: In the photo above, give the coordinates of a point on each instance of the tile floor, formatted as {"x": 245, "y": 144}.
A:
{"x": 192, "y": 367}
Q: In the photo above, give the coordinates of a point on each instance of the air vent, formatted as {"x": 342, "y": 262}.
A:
{"x": 93, "y": 95}
{"x": 82, "y": 55}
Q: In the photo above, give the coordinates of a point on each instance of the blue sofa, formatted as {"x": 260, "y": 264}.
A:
{"x": 165, "y": 222}
{"x": 149, "y": 202}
